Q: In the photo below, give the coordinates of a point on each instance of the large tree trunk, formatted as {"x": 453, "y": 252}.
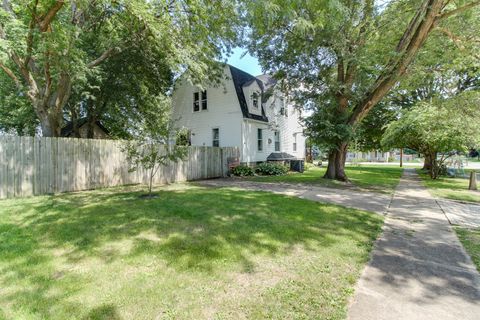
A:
{"x": 50, "y": 122}
{"x": 435, "y": 166}
{"x": 340, "y": 163}
{"x": 336, "y": 163}
{"x": 427, "y": 163}
{"x": 330, "y": 174}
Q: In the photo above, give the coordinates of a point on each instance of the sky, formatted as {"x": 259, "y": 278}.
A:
{"x": 247, "y": 63}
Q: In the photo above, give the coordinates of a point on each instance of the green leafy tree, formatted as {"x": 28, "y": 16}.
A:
{"x": 51, "y": 49}
{"x": 341, "y": 58}
{"x": 438, "y": 128}
{"x": 151, "y": 146}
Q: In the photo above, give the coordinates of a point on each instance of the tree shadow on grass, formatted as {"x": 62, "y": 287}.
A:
{"x": 192, "y": 230}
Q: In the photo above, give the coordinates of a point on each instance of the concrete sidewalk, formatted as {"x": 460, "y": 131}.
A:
{"x": 418, "y": 269}
{"x": 369, "y": 201}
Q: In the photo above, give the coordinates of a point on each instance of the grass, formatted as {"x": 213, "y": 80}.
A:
{"x": 470, "y": 239}
{"x": 190, "y": 253}
{"x": 450, "y": 188}
{"x": 382, "y": 179}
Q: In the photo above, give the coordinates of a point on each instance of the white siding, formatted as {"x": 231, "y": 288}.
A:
{"x": 223, "y": 112}
{"x": 249, "y": 91}
{"x": 287, "y": 125}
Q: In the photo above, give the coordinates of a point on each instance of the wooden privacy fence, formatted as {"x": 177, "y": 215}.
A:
{"x": 35, "y": 166}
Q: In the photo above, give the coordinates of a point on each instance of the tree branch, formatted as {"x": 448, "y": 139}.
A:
{"x": 104, "y": 56}
{"x": 31, "y": 28}
{"x": 458, "y": 10}
{"x": 47, "y": 18}
{"x": 11, "y": 75}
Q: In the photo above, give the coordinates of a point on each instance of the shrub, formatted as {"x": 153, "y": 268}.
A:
{"x": 271, "y": 169}
{"x": 243, "y": 171}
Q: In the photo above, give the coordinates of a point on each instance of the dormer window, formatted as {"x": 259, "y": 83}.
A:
{"x": 200, "y": 99}
{"x": 255, "y": 100}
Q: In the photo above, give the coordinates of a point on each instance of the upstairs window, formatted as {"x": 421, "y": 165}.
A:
{"x": 277, "y": 140}
{"x": 216, "y": 137}
{"x": 260, "y": 139}
{"x": 196, "y": 101}
{"x": 204, "y": 100}
{"x": 255, "y": 100}
{"x": 295, "y": 142}
{"x": 200, "y": 98}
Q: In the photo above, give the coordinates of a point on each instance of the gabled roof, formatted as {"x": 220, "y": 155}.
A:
{"x": 240, "y": 79}
{"x": 268, "y": 81}
{"x": 67, "y": 130}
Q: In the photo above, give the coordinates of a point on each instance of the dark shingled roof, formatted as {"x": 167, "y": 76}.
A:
{"x": 280, "y": 156}
{"x": 241, "y": 78}
{"x": 68, "y": 129}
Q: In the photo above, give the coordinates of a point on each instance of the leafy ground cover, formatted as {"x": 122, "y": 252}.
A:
{"x": 450, "y": 188}
{"x": 470, "y": 239}
{"x": 379, "y": 178}
{"x": 190, "y": 253}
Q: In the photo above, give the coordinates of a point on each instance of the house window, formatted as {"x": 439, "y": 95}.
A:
{"x": 204, "y": 100}
{"x": 196, "y": 101}
{"x": 255, "y": 100}
{"x": 277, "y": 140}
{"x": 294, "y": 142}
{"x": 260, "y": 139}
{"x": 216, "y": 137}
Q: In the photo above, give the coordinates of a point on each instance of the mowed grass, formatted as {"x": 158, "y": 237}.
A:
{"x": 191, "y": 253}
{"x": 382, "y": 179}
{"x": 450, "y": 188}
{"x": 470, "y": 239}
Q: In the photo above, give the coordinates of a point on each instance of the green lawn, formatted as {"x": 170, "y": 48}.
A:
{"x": 450, "y": 188}
{"x": 372, "y": 178}
{"x": 191, "y": 253}
{"x": 470, "y": 239}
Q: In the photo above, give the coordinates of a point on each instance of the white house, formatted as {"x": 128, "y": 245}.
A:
{"x": 245, "y": 112}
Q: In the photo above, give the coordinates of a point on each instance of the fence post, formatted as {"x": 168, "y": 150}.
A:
{"x": 473, "y": 181}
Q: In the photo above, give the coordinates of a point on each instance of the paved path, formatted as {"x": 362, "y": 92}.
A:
{"x": 418, "y": 269}
{"x": 370, "y": 201}
{"x": 461, "y": 214}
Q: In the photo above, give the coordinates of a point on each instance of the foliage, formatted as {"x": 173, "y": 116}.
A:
{"x": 172, "y": 247}
{"x": 368, "y": 134}
{"x": 440, "y": 126}
{"x": 151, "y": 147}
{"x": 183, "y": 137}
{"x": 100, "y": 58}
{"x": 271, "y": 169}
{"x": 243, "y": 171}
{"x": 16, "y": 113}
{"x": 341, "y": 58}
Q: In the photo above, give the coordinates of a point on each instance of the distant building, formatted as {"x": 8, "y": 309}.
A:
{"x": 99, "y": 131}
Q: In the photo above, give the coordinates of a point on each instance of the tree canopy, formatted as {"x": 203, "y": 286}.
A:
{"x": 61, "y": 55}
{"x": 341, "y": 58}
{"x": 438, "y": 126}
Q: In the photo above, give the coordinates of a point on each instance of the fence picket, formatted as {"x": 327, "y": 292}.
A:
{"x": 35, "y": 166}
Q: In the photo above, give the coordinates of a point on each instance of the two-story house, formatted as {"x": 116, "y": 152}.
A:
{"x": 244, "y": 111}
